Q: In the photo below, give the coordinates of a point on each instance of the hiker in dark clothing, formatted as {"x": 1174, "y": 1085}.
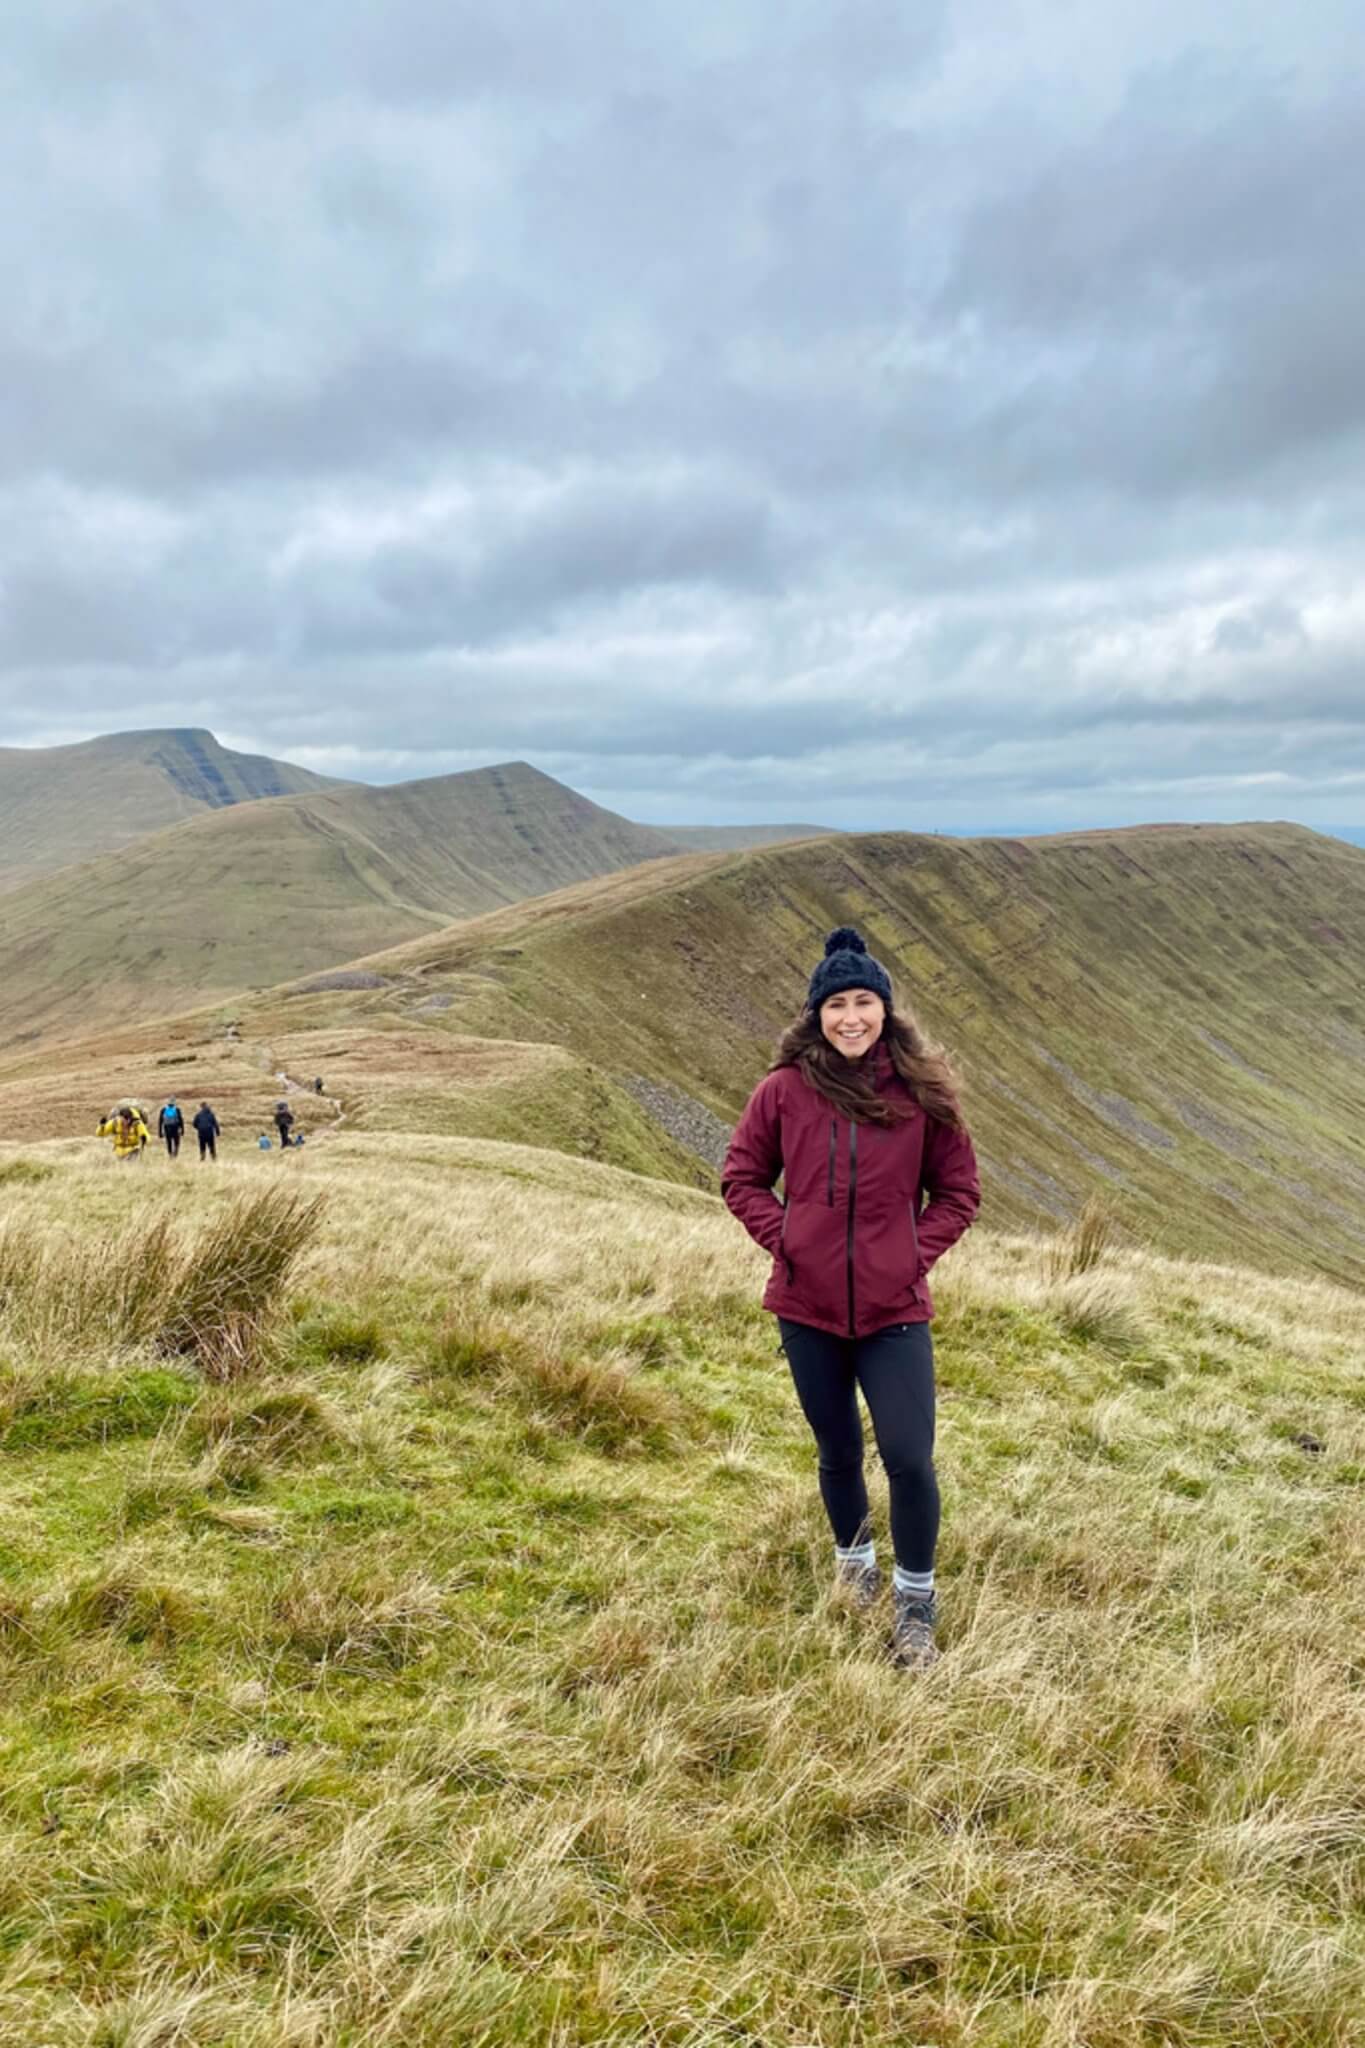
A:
{"x": 317, "y": 1085}
{"x": 170, "y": 1126}
{"x": 208, "y": 1130}
{"x": 284, "y": 1123}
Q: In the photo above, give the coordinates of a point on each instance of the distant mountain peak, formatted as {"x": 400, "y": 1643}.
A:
{"x": 72, "y": 803}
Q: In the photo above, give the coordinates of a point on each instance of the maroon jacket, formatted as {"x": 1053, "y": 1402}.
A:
{"x": 869, "y": 1207}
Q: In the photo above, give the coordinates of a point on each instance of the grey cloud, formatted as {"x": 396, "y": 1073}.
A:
{"x": 1260, "y": 626}
{"x": 1179, "y": 288}
{"x": 726, "y": 385}
{"x": 515, "y": 565}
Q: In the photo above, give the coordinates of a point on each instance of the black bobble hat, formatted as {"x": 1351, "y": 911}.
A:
{"x": 847, "y": 964}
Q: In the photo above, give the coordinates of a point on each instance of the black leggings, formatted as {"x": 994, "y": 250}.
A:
{"x": 895, "y": 1369}
{"x": 172, "y": 1136}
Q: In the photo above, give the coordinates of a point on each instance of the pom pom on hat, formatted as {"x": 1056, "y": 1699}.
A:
{"x": 847, "y": 964}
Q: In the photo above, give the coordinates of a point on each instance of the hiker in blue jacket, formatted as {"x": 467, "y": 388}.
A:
{"x": 170, "y": 1126}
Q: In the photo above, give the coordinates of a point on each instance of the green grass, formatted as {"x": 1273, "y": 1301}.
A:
{"x": 466, "y": 1672}
{"x": 64, "y": 804}
{"x": 1163, "y": 1016}
{"x": 1159, "y": 1017}
{"x": 267, "y": 893}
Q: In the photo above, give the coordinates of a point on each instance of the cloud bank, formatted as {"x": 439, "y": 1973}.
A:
{"x": 886, "y": 416}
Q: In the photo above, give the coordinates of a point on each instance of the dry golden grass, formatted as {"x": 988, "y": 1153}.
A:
{"x": 207, "y": 1296}
{"x": 474, "y": 1678}
{"x": 1084, "y": 1245}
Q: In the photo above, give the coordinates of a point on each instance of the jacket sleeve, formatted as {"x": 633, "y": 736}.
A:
{"x": 950, "y": 1180}
{"x": 753, "y": 1165}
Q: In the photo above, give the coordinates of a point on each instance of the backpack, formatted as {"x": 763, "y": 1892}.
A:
{"x": 171, "y": 1114}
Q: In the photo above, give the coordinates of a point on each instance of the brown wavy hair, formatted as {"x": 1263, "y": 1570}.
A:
{"x": 848, "y": 1085}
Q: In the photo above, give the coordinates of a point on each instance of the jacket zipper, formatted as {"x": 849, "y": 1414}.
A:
{"x": 852, "y": 1200}
{"x": 833, "y": 1150}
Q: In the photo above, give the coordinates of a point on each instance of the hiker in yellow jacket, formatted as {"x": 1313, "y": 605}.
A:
{"x": 128, "y": 1131}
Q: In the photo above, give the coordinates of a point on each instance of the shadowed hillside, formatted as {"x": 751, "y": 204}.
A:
{"x": 64, "y": 804}
{"x": 1173, "y": 1017}
{"x": 252, "y": 895}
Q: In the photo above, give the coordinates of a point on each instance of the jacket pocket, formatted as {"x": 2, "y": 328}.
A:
{"x": 887, "y": 1262}
{"x": 813, "y": 1254}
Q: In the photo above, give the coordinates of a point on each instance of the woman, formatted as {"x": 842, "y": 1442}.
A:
{"x": 861, "y": 1117}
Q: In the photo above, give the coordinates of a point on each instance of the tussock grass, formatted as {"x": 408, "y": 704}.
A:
{"x": 131, "y": 1602}
{"x": 414, "y": 1711}
{"x": 360, "y": 1618}
{"x": 1096, "y": 1306}
{"x": 206, "y": 1296}
{"x": 602, "y": 1400}
{"x": 1085, "y": 1244}
{"x": 278, "y": 1420}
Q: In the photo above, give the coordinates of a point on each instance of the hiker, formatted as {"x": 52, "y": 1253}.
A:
{"x": 263, "y": 1142}
{"x": 284, "y": 1123}
{"x": 209, "y": 1130}
{"x": 128, "y": 1131}
{"x": 317, "y": 1084}
{"x": 170, "y": 1126}
{"x": 860, "y": 1114}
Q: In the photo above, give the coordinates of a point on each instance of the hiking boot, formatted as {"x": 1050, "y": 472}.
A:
{"x": 860, "y": 1584}
{"x": 912, "y": 1632}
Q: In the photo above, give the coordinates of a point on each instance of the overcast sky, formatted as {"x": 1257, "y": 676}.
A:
{"x": 897, "y": 412}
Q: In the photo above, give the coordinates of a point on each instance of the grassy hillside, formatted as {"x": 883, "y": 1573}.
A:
{"x": 397, "y": 1079}
{"x": 254, "y": 895}
{"x": 1172, "y": 1016}
{"x": 460, "y": 1669}
{"x": 64, "y": 804}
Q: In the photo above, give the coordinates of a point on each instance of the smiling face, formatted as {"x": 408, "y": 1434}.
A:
{"x": 852, "y": 1021}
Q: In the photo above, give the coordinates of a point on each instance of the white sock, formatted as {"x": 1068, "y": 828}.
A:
{"x": 856, "y": 1553}
{"x": 919, "y": 1585}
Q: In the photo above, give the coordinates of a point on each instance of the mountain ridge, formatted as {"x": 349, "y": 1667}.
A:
{"x": 1129, "y": 1011}
{"x": 1127, "y": 1007}
{"x": 67, "y": 804}
{"x": 247, "y": 894}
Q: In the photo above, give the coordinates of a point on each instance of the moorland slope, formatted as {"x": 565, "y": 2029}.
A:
{"x": 253, "y": 894}
{"x": 1173, "y": 1016}
{"x": 65, "y": 804}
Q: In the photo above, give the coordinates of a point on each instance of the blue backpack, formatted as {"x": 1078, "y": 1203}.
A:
{"x": 171, "y": 1114}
